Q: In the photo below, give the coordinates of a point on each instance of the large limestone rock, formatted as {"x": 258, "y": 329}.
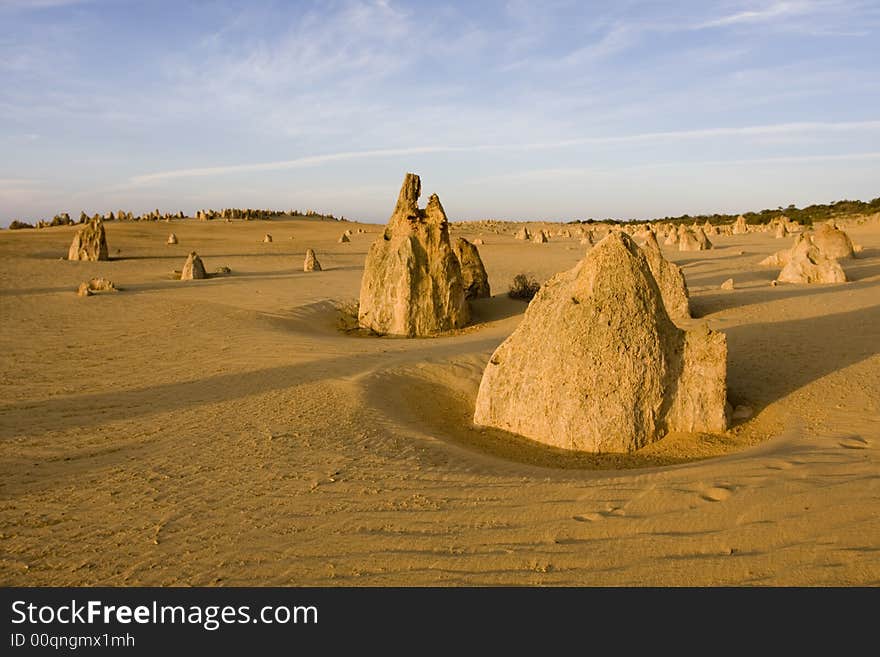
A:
{"x": 412, "y": 282}
{"x": 311, "y": 262}
{"x": 740, "y": 227}
{"x": 540, "y": 237}
{"x": 833, "y": 242}
{"x": 597, "y": 365}
{"x": 193, "y": 269}
{"x": 780, "y": 231}
{"x": 90, "y": 242}
{"x": 523, "y": 234}
{"x": 807, "y": 264}
{"x": 669, "y": 279}
{"x": 473, "y": 273}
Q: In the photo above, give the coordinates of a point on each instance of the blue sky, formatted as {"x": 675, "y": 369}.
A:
{"x": 518, "y": 109}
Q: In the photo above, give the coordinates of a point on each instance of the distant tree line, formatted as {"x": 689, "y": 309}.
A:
{"x": 248, "y": 214}
{"x": 805, "y": 216}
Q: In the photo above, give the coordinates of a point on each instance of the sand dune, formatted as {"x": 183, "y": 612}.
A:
{"x": 227, "y": 431}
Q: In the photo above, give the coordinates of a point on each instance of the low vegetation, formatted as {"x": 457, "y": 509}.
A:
{"x": 523, "y": 287}
{"x": 805, "y": 216}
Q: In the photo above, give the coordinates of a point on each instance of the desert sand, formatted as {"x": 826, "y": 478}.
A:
{"x": 238, "y": 431}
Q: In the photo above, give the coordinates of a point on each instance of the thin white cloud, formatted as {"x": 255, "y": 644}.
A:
{"x": 768, "y": 13}
{"x": 39, "y": 4}
{"x": 578, "y": 172}
{"x": 315, "y": 160}
{"x": 18, "y": 182}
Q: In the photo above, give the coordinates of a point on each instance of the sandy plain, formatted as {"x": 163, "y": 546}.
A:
{"x": 231, "y": 432}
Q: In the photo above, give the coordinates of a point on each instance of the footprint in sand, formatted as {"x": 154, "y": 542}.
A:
{"x": 596, "y": 516}
{"x": 589, "y": 517}
{"x": 780, "y": 465}
{"x": 716, "y": 493}
{"x": 854, "y": 442}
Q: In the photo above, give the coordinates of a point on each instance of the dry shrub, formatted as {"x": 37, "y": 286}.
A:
{"x": 523, "y": 287}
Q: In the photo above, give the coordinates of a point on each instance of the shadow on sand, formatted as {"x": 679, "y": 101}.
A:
{"x": 769, "y": 360}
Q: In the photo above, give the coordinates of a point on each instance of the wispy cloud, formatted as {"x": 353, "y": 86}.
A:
{"x": 316, "y": 160}
{"x": 227, "y": 88}
{"x": 767, "y": 13}
{"x": 39, "y": 4}
{"x": 555, "y": 173}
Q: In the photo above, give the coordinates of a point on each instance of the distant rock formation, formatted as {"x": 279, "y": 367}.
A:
{"x": 702, "y": 239}
{"x": 689, "y": 242}
{"x": 597, "y": 365}
{"x": 267, "y": 238}
{"x": 807, "y": 264}
{"x": 311, "y": 262}
{"x": 343, "y": 239}
{"x": 833, "y": 242}
{"x": 778, "y": 259}
{"x": 828, "y": 243}
{"x": 412, "y": 283}
{"x": 540, "y": 237}
{"x": 193, "y": 269}
{"x": 90, "y": 242}
{"x": 172, "y": 239}
{"x": 740, "y": 227}
{"x": 473, "y": 273}
{"x": 523, "y": 234}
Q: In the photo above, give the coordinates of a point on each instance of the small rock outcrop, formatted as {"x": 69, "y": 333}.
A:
{"x": 343, "y": 239}
{"x": 267, "y": 238}
{"x": 597, "y": 365}
{"x": 523, "y": 234}
{"x": 311, "y": 262}
{"x": 87, "y": 289}
{"x": 702, "y": 239}
{"x": 740, "y": 227}
{"x": 833, "y": 242}
{"x": 778, "y": 259}
{"x": 172, "y": 239}
{"x": 412, "y": 283}
{"x": 193, "y": 269}
{"x": 473, "y": 273}
{"x": 90, "y": 242}
{"x": 540, "y": 237}
{"x": 727, "y": 285}
{"x": 688, "y": 241}
{"x": 807, "y": 264}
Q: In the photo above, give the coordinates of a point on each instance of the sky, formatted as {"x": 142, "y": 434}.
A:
{"x": 549, "y": 110}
